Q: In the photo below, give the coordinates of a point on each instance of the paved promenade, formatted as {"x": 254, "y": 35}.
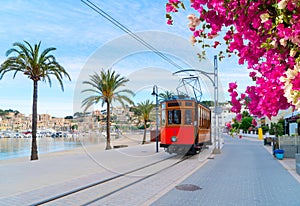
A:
{"x": 23, "y": 182}
{"x": 244, "y": 174}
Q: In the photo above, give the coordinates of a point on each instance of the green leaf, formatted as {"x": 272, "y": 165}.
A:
{"x": 182, "y": 5}
{"x": 175, "y": 5}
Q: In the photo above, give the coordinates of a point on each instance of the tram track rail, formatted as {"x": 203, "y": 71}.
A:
{"x": 134, "y": 182}
{"x": 61, "y": 196}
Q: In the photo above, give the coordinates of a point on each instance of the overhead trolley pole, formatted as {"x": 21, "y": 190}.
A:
{"x": 217, "y": 110}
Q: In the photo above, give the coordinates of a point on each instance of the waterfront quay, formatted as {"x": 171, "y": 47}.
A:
{"x": 245, "y": 173}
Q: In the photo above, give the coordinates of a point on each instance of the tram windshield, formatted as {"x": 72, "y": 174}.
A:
{"x": 174, "y": 117}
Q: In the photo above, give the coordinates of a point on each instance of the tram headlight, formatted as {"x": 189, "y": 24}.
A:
{"x": 174, "y": 139}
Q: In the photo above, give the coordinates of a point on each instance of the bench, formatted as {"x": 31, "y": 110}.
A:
{"x": 120, "y": 146}
{"x": 269, "y": 140}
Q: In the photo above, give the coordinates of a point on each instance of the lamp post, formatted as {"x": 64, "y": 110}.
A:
{"x": 155, "y": 92}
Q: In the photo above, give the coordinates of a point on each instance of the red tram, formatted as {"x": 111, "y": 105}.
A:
{"x": 185, "y": 126}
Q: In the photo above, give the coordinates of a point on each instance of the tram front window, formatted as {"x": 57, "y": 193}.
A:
{"x": 174, "y": 117}
{"x": 188, "y": 117}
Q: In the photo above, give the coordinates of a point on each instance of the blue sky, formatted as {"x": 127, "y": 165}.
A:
{"x": 79, "y": 34}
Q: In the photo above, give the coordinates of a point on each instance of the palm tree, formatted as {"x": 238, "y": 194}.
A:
{"x": 106, "y": 88}
{"x": 144, "y": 109}
{"x": 38, "y": 66}
{"x": 166, "y": 95}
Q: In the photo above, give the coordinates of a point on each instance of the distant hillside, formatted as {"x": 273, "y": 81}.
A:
{"x": 5, "y": 112}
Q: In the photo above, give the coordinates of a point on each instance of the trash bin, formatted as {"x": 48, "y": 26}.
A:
{"x": 279, "y": 153}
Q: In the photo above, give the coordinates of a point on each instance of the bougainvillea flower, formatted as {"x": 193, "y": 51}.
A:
{"x": 265, "y": 35}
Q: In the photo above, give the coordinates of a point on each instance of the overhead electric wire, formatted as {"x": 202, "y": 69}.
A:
{"x": 128, "y": 31}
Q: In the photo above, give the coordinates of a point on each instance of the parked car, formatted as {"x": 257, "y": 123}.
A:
{"x": 27, "y": 134}
{"x": 59, "y": 134}
{"x": 7, "y": 135}
{"x": 56, "y": 134}
{"x": 18, "y": 135}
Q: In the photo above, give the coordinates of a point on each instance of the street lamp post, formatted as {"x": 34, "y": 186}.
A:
{"x": 155, "y": 92}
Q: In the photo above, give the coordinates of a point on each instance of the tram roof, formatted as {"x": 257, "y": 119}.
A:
{"x": 179, "y": 97}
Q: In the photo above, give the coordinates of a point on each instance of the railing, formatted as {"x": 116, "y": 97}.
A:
{"x": 289, "y": 140}
{"x": 290, "y": 145}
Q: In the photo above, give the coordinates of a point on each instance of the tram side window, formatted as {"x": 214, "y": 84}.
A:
{"x": 188, "y": 117}
{"x": 204, "y": 118}
{"x": 174, "y": 117}
{"x": 163, "y": 117}
{"x": 199, "y": 116}
{"x": 201, "y": 120}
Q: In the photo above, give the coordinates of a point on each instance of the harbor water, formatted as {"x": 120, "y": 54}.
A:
{"x": 21, "y": 147}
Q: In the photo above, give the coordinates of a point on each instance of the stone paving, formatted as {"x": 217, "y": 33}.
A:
{"x": 244, "y": 174}
{"x": 24, "y": 182}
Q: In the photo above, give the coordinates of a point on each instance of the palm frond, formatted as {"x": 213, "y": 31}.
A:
{"x": 106, "y": 86}
{"x": 144, "y": 109}
{"x": 89, "y": 101}
{"x": 37, "y": 65}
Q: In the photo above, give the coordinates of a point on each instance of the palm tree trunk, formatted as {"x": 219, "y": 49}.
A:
{"x": 145, "y": 131}
{"x": 108, "y": 146}
{"x": 34, "y": 151}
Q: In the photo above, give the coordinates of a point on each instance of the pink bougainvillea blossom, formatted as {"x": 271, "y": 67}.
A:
{"x": 254, "y": 123}
{"x": 216, "y": 44}
{"x": 291, "y": 86}
{"x": 228, "y": 125}
{"x": 169, "y": 21}
{"x": 265, "y": 35}
{"x": 170, "y": 8}
{"x": 232, "y": 86}
{"x": 238, "y": 117}
{"x": 243, "y": 96}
